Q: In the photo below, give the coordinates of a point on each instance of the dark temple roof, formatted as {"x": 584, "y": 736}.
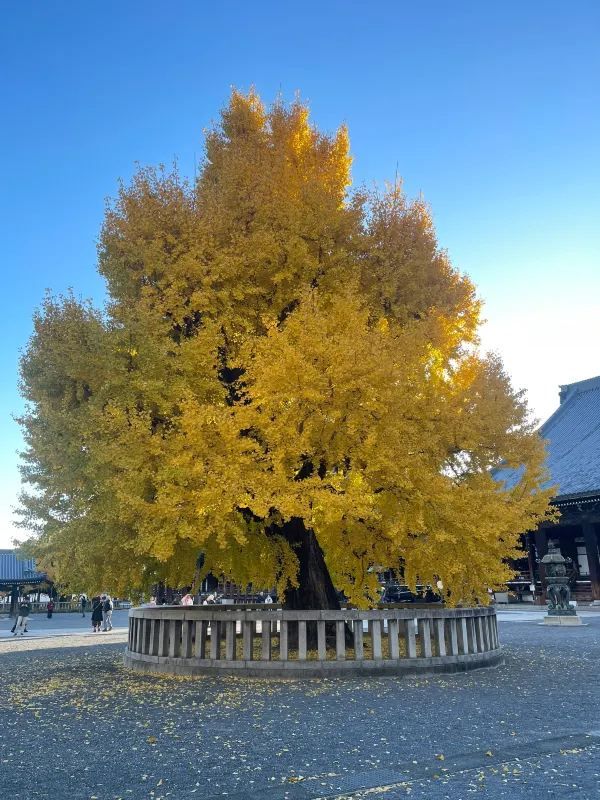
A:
{"x": 573, "y": 442}
{"x": 18, "y": 570}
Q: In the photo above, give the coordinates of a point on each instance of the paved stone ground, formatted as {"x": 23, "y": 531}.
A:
{"x": 76, "y": 725}
{"x": 40, "y": 626}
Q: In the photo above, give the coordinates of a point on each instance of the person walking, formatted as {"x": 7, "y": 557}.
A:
{"x": 50, "y": 608}
{"x": 83, "y": 604}
{"x": 96, "y": 614}
{"x": 107, "y": 609}
{"x": 23, "y": 618}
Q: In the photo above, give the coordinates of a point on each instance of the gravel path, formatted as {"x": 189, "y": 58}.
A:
{"x": 77, "y": 725}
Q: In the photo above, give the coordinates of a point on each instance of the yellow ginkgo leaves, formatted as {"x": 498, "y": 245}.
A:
{"x": 284, "y": 389}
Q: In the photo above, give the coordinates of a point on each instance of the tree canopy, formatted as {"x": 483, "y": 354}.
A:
{"x": 278, "y": 352}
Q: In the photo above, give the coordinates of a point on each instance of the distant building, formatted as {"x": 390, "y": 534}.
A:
{"x": 573, "y": 441}
{"x": 18, "y": 575}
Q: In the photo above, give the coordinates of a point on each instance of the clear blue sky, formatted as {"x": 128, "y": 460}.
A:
{"x": 491, "y": 110}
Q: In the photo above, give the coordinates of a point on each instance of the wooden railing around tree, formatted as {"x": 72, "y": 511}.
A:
{"x": 190, "y": 640}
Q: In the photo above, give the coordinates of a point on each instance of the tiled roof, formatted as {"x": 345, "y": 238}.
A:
{"x": 573, "y": 442}
{"x": 18, "y": 569}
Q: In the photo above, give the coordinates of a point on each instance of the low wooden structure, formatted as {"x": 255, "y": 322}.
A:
{"x": 197, "y": 640}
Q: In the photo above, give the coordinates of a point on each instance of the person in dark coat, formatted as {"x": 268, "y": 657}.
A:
{"x": 96, "y": 614}
{"x": 50, "y": 608}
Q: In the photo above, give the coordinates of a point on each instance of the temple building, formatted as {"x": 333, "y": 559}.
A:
{"x": 18, "y": 576}
{"x": 572, "y": 434}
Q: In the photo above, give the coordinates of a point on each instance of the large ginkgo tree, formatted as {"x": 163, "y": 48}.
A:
{"x": 285, "y": 381}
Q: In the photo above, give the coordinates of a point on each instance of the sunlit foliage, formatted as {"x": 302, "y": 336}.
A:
{"x": 274, "y": 347}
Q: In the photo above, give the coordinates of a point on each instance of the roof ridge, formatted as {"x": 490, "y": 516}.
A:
{"x": 567, "y": 390}
{"x": 593, "y": 383}
{"x": 557, "y": 413}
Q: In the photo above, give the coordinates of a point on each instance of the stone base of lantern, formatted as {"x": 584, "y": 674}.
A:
{"x": 572, "y": 619}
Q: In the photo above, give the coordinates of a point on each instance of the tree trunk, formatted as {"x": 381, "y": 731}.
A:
{"x": 316, "y": 590}
{"x": 160, "y": 593}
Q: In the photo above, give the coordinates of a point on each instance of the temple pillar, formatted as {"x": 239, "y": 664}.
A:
{"x": 568, "y": 548}
{"x": 14, "y": 600}
{"x": 541, "y": 546}
{"x": 529, "y": 540}
{"x": 591, "y": 545}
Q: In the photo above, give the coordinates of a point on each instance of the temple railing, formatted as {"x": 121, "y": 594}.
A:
{"x": 190, "y": 640}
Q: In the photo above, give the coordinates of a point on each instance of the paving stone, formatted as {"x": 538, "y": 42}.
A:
{"x": 77, "y": 725}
